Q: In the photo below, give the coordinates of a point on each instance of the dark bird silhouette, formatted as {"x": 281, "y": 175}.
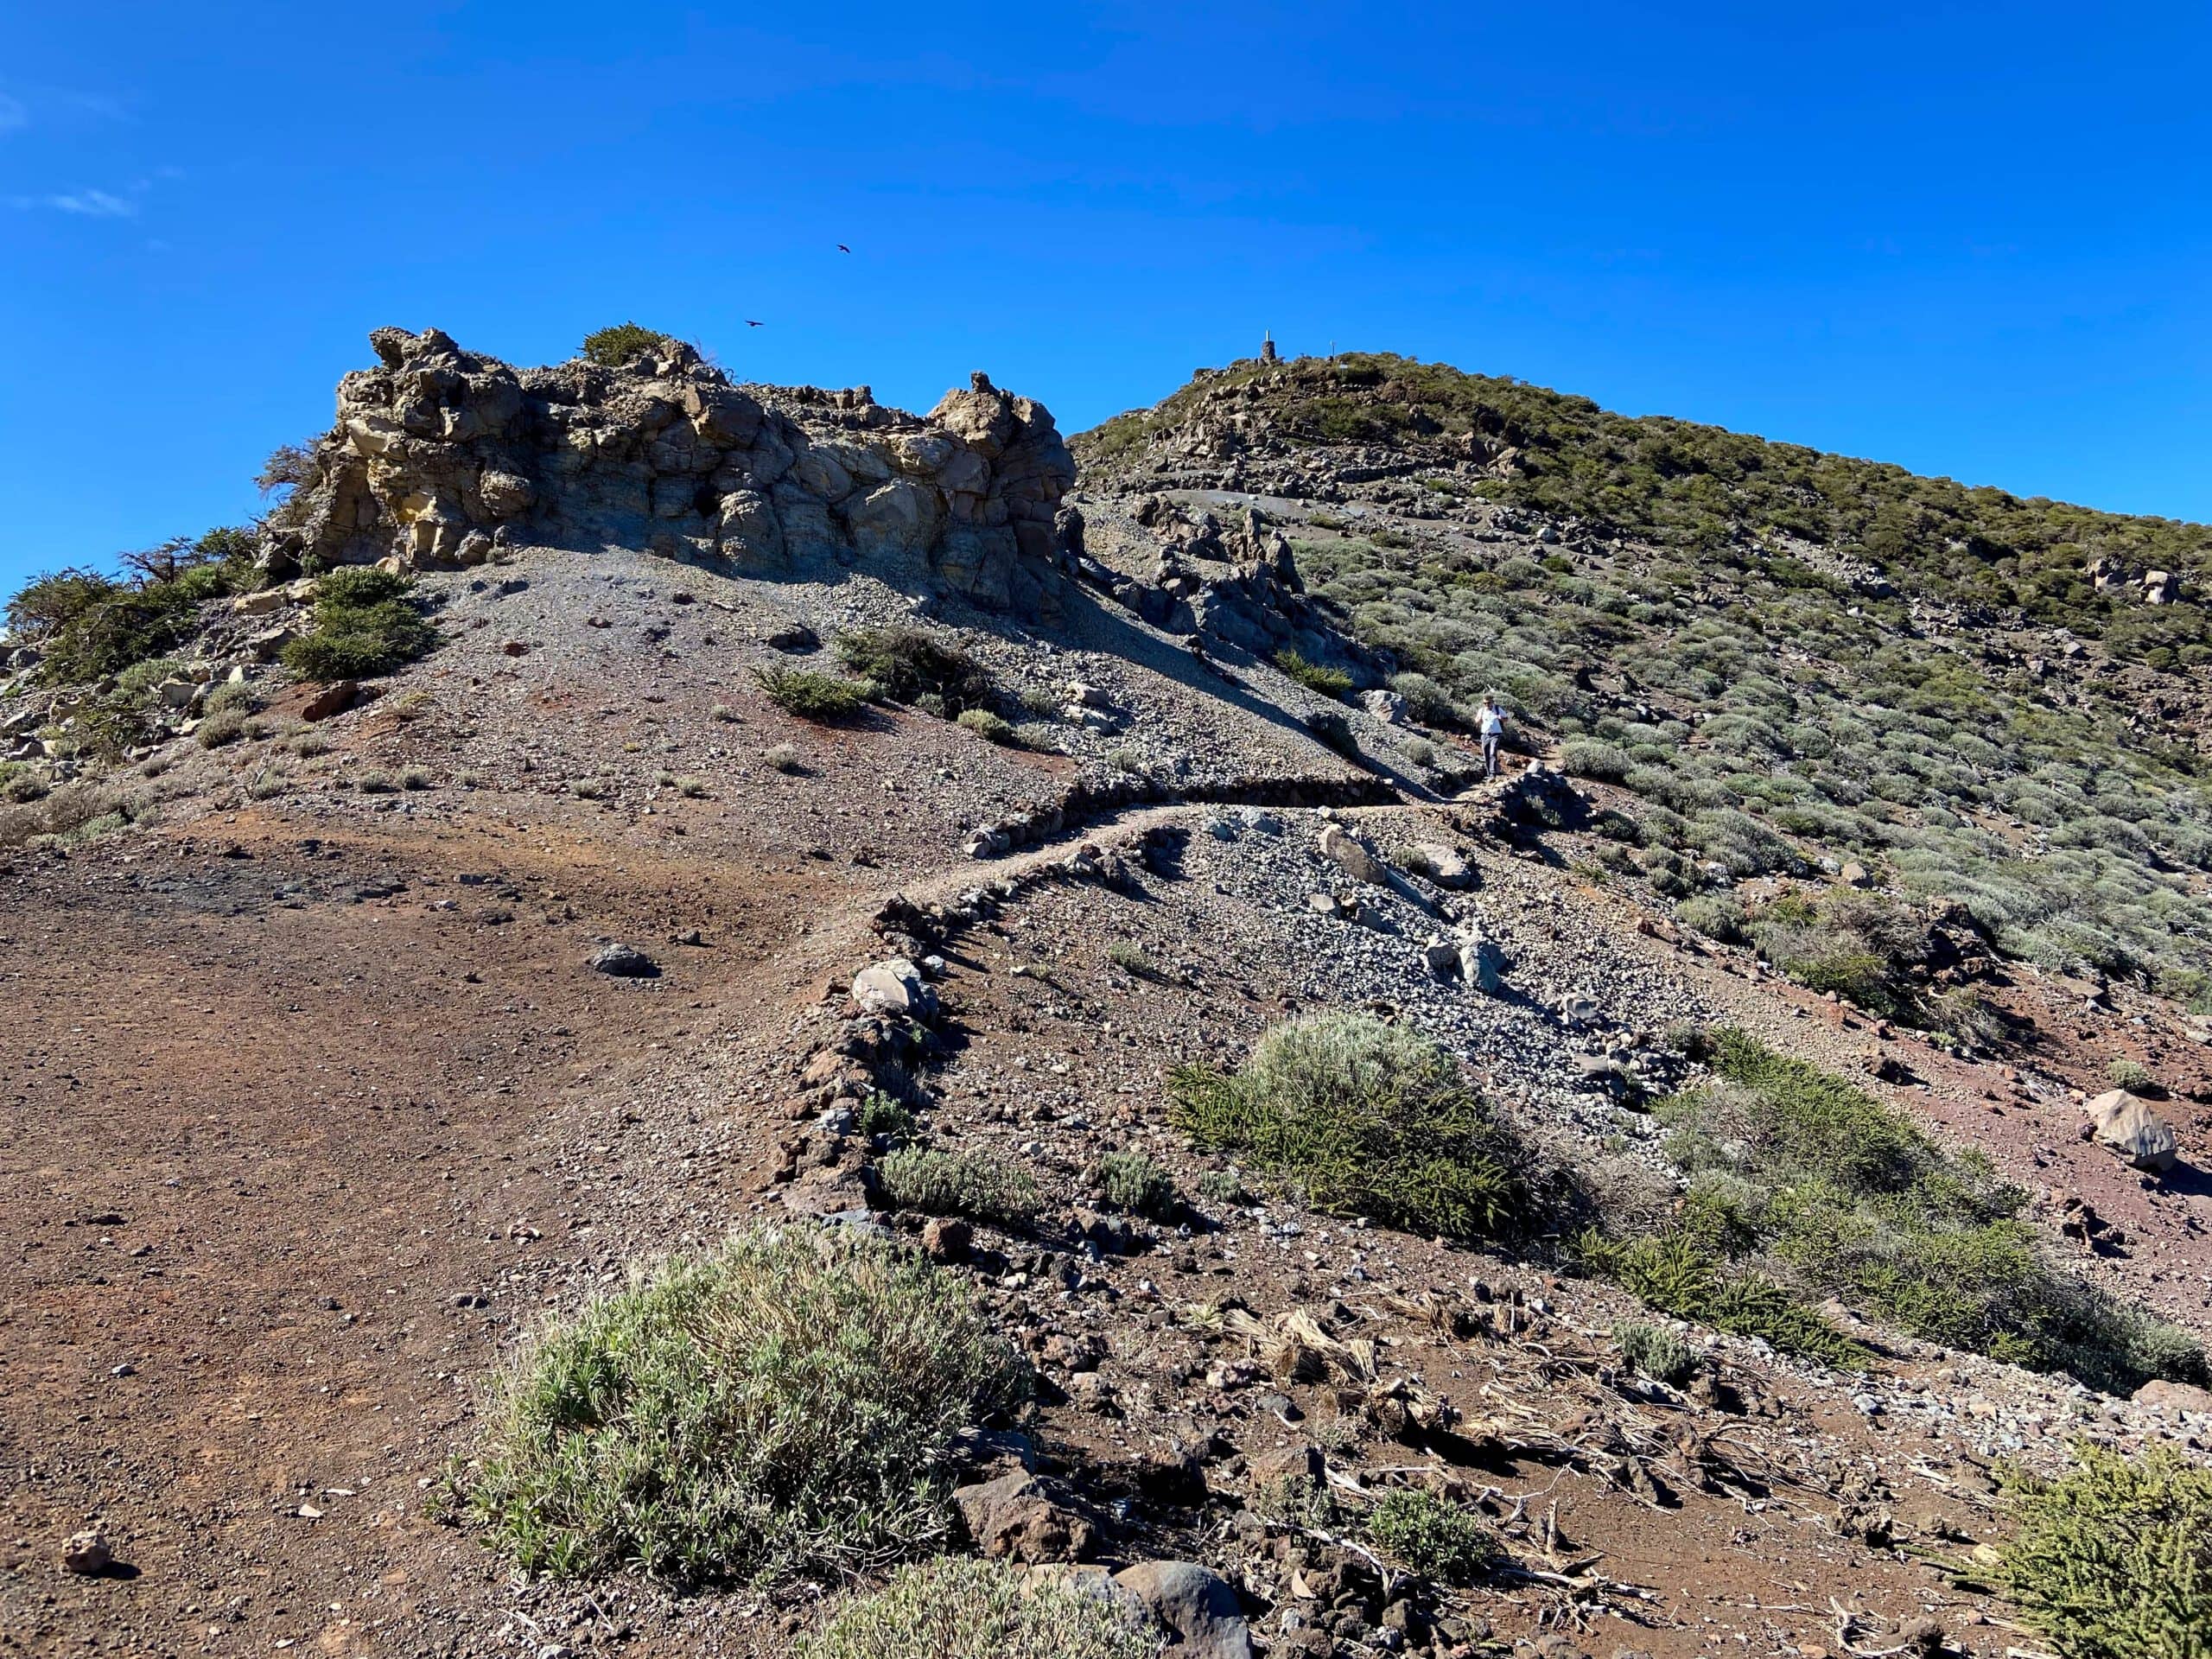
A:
{"x": 841, "y": 248}
{"x": 750, "y": 324}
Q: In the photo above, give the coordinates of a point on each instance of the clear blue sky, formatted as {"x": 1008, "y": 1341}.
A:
{"x": 1975, "y": 239}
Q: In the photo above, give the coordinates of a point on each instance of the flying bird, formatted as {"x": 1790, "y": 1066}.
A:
{"x": 841, "y": 248}
{"x": 750, "y": 324}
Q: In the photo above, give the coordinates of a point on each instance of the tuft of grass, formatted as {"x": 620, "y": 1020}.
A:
{"x": 959, "y": 1184}
{"x": 1328, "y": 682}
{"x": 613, "y": 347}
{"x": 786, "y": 1404}
{"x": 1653, "y": 1351}
{"x": 986, "y": 726}
{"x": 415, "y": 777}
{"x": 374, "y": 783}
{"x": 1441, "y": 1541}
{"x": 785, "y": 757}
{"x": 1363, "y": 1118}
{"x": 724, "y": 712}
{"x": 2114, "y": 1559}
{"x": 910, "y": 662}
{"x": 810, "y": 695}
{"x": 1129, "y": 1181}
{"x": 692, "y": 789}
{"x": 2130, "y": 1075}
{"x": 365, "y": 624}
{"x": 958, "y": 1607}
{"x": 1130, "y": 957}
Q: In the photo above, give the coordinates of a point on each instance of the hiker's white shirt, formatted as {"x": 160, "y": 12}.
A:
{"x": 1493, "y": 723}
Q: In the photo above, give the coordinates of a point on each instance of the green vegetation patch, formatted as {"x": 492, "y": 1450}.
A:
{"x": 365, "y": 624}
{"x": 1362, "y": 1118}
{"x": 811, "y": 694}
{"x": 1328, "y": 682}
{"x": 959, "y": 1184}
{"x": 909, "y": 663}
{"x": 92, "y": 627}
{"x": 623, "y": 343}
{"x": 1441, "y": 1541}
{"x": 1829, "y": 1192}
{"x": 2113, "y": 1559}
{"x": 786, "y": 1404}
{"x": 1129, "y": 1181}
{"x": 957, "y": 1607}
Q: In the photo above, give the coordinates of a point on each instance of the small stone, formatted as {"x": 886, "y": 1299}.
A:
{"x": 87, "y": 1552}
{"x": 623, "y": 961}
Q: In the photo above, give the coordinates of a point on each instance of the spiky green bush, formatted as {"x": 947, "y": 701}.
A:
{"x": 1362, "y": 1118}
{"x": 624, "y": 342}
{"x": 365, "y": 624}
{"x": 908, "y": 662}
{"x": 785, "y": 1404}
{"x": 2113, "y": 1559}
{"x": 1656, "y": 1352}
{"x": 1833, "y": 1193}
{"x": 810, "y": 695}
{"x": 1129, "y": 1181}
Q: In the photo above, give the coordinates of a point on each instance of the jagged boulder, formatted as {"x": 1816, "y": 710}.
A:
{"x": 439, "y": 454}
{"x": 2133, "y": 1130}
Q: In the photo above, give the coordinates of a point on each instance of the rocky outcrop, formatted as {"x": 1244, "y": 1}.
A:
{"x": 439, "y": 454}
{"x": 1233, "y": 583}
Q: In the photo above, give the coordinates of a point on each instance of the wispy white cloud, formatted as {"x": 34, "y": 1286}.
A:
{"x": 13, "y": 117}
{"x": 85, "y": 204}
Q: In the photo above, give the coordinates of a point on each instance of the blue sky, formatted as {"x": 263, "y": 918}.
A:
{"x": 1975, "y": 239}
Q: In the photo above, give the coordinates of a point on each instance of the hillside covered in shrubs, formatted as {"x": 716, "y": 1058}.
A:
{"x": 1785, "y": 662}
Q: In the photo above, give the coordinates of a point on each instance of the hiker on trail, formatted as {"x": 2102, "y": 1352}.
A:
{"x": 1492, "y": 725}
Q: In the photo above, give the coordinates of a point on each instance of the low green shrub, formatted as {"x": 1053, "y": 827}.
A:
{"x": 908, "y": 662}
{"x": 1363, "y": 1118}
{"x": 785, "y": 1404}
{"x": 810, "y": 695}
{"x": 2130, "y": 1075}
{"x": 785, "y": 757}
{"x": 223, "y": 726}
{"x": 1440, "y": 1540}
{"x": 2114, "y": 1559}
{"x": 959, "y": 1184}
{"x": 958, "y": 1607}
{"x": 1129, "y": 1181}
{"x": 1653, "y": 1351}
{"x": 612, "y": 347}
{"x": 986, "y": 726}
{"x": 1834, "y": 1194}
{"x": 1719, "y": 916}
{"x": 1328, "y": 682}
{"x": 365, "y": 624}
{"x": 1584, "y": 757}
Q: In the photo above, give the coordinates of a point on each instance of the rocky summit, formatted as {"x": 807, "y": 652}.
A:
{"x": 670, "y": 1016}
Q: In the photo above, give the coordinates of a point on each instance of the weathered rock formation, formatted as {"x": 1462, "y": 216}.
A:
{"x": 1236, "y": 583}
{"x": 439, "y": 454}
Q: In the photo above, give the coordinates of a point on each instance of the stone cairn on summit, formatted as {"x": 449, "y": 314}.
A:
{"x": 439, "y": 454}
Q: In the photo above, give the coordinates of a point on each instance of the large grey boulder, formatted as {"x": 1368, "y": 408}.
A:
{"x": 1194, "y": 1606}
